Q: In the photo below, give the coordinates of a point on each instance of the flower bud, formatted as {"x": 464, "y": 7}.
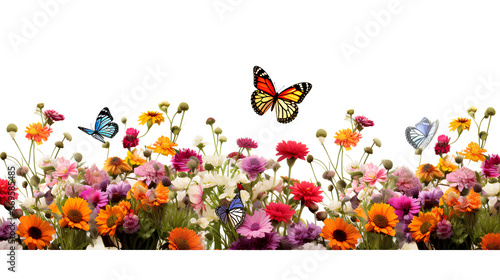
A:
{"x": 328, "y": 175}
{"x": 276, "y": 167}
{"x": 464, "y": 192}
{"x": 218, "y": 130}
{"x": 176, "y": 130}
{"x": 472, "y": 111}
{"x": 59, "y": 144}
{"x": 124, "y": 120}
{"x": 17, "y": 213}
{"x": 490, "y": 111}
{"x": 24, "y": 184}
{"x": 377, "y": 142}
{"x": 166, "y": 182}
{"x": 341, "y": 184}
{"x": 330, "y": 188}
{"x": 210, "y": 121}
{"x": 477, "y": 188}
{"x": 22, "y": 171}
{"x": 493, "y": 180}
{"x": 313, "y": 208}
{"x": 183, "y": 106}
{"x": 106, "y": 145}
{"x": 369, "y": 150}
{"x": 209, "y": 167}
{"x": 257, "y": 205}
{"x": 68, "y": 136}
{"x": 40, "y": 105}
{"x": 147, "y": 153}
{"x": 164, "y": 105}
{"x": 78, "y": 157}
{"x": 321, "y": 133}
{"x": 12, "y": 128}
{"x": 346, "y": 199}
{"x": 182, "y": 174}
{"x": 418, "y": 151}
{"x": 3, "y": 155}
{"x": 222, "y": 139}
{"x": 387, "y": 164}
{"x": 309, "y": 158}
{"x": 35, "y": 180}
{"x": 321, "y": 215}
{"x": 483, "y": 135}
{"x": 350, "y": 112}
{"x": 459, "y": 159}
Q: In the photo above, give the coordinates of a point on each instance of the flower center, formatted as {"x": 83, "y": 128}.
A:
{"x": 255, "y": 226}
{"x": 339, "y": 235}
{"x": 380, "y": 221}
{"x": 74, "y": 215}
{"x": 115, "y": 160}
{"x": 181, "y": 244}
{"x": 110, "y": 222}
{"x": 427, "y": 168}
{"x": 254, "y": 161}
{"x": 424, "y": 228}
{"x": 35, "y": 232}
{"x": 115, "y": 197}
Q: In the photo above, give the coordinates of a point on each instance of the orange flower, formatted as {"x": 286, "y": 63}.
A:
{"x": 109, "y": 219}
{"x": 463, "y": 123}
{"x": 346, "y": 138}
{"x": 447, "y": 164}
{"x": 115, "y": 166}
{"x": 151, "y": 118}
{"x": 163, "y": 146}
{"x": 36, "y": 232}
{"x": 184, "y": 239}
{"x": 438, "y": 212}
{"x": 474, "y": 152}
{"x": 469, "y": 203}
{"x": 38, "y": 133}
{"x": 125, "y": 205}
{"x": 135, "y": 158}
{"x": 382, "y": 219}
{"x": 76, "y": 214}
{"x": 428, "y": 172}
{"x": 422, "y": 226}
{"x": 490, "y": 241}
{"x": 340, "y": 234}
{"x": 361, "y": 213}
{"x": 138, "y": 191}
{"x": 162, "y": 194}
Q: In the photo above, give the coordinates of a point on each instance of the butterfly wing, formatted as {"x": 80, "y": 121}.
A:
{"x": 418, "y": 136}
{"x": 262, "y": 81}
{"x": 296, "y": 93}
{"x": 237, "y": 212}
{"x": 286, "y": 110}
{"x": 414, "y": 137}
{"x": 222, "y": 212}
{"x": 104, "y": 125}
{"x": 110, "y": 130}
{"x": 431, "y": 134}
{"x": 92, "y": 133}
{"x": 261, "y": 101}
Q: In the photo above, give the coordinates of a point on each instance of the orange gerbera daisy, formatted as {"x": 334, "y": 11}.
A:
{"x": 135, "y": 157}
{"x": 184, "y": 239}
{"x": 76, "y": 214}
{"x": 382, "y": 219}
{"x": 38, "y": 133}
{"x": 422, "y": 226}
{"x": 474, "y": 152}
{"x": 463, "y": 123}
{"x": 151, "y": 117}
{"x": 447, "y": 164}
{"x": 340, "y": 234}
{"x": 163, "y": 146}
{"x": 490, "y": 241}
{"x": 109, "y": 219}
{"x": 428, "y": 172}
{"x": 36, "y": 232}
{"x": 346, "y": 138}
{"x": 116, "y": 165}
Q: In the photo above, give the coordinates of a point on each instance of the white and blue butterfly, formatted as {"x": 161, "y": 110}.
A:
{"x": 421, "y": 135}
{"x": 104, "y": 127}
{"x": 235, "y": 212}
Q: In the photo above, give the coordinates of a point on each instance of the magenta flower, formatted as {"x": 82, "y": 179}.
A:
{"x": 372, "y": 174}
{"x": 256, "y": 225}
{"x": 180, "y": 159}
{"x": 247, "y": 143}
{"x": 151, "y": 171}
{"x": 131, "y": 223}
{"x": 235, "y": 156}
{"x": 130, "y": 140}
{"x": 491, "y": 167}
{"x": 442, "y": 145}
{"x": 253, "y": 165}
{"x": 94, "y": 175}
{"x": 462, "y": 178}
{"x": 405, "y": 208}
{"x": 364, "y": 121}
{"x": 95, "y": 198}
{"x": 64, "y": 169}
{"x": 53, "y": 115}
{"x": 444, "y": 229}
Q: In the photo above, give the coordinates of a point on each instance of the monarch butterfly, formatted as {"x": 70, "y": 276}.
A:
{"x": 103, "y": 126}
{"x": 265, "y": 97}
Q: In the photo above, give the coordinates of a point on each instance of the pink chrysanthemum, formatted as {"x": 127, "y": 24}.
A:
{"x": 180, "y": 159}
{"x": 406, "y": 179}
{"x": 291, "y": 149}
{"x": 491, "y": 167}
{"x": 95, "y": 198}
{"x": 64, "y": 169}
{"x": 462, "y": 178}
{"x": 279, "y": 212}
{"x": 372, "y": 174}
{"x": 151, "y": 171}
{"x": 364, "y": 121}
{"x": 247, "y": 143}
{"x": 405, "y": 208}
{"x": 94, "y": 175}
{"x": 130, "y": 140}
{"x": 442, "y": 145}
{"x": 53, "y": 115}
{"x": 256, "y": 225}
{"x": 253, "y": 165}
{"x": 307, "y": 192}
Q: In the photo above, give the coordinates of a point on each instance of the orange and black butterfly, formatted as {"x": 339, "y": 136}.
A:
{"x": 265, "y": 97}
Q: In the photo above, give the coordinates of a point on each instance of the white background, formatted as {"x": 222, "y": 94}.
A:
{"x": 427, "y": 58}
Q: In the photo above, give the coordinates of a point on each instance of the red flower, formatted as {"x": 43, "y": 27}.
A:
{"x": 235, "y": 156}
{"x": 53, "y": 115}
{"x": 364, "y": 121}
{"x": 279, "y": 212}
{"x": 291, "y": 149}
{"x": 7, "y": 193}
{"x": 308, "y": 192}
{"x": 130, "y": 140}
{"x": 442, "y": 145}
{"x": 247, "y": 143}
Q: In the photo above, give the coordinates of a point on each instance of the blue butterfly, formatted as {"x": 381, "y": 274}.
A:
{"x": 103, "y": 126}
{"x": 421, "y": 135}
{"x": 236, "y": 212}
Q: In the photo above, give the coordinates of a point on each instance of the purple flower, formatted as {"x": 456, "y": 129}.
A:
{"x": 7, "y": 229}
{"x": 462, "y": 178}
{"x": 299, "y": 234}
{"x": 444, "y": 229}
{"x": 247, "y": 143}
{"x": 180, "y": 159}
{"x": 403, "y": 232}
{"x": 95, "y": 198}
{"x": 270, "y": 241}
{"x": 253, "y": 165}
{"x": 430, "y": 198}
{"x": 131, "y": 223}
{"x": 117, "y": 192}
{"x": 94, "y": 175}
{"x": 491, "y": 166}
{"x": 151, "y": 171}
{"x": 405, "y": 208}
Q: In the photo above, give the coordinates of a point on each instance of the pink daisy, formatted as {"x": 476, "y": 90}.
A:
{"x": 372, "y": 174}
{"x": 364, "y": 121}
{"x": 253, "y": 165}
{"x": 256, "y": 225}
{"x": 53, "y": 115}
{"x": 64, "y": 169}
{"x": 247, "y": 143}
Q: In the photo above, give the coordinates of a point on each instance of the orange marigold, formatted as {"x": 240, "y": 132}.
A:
{"x": 38, "y": 133}
{"x": 490, "y": 241}
{"x": 474, "y": 152}
{"x": 347, "y": 138}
